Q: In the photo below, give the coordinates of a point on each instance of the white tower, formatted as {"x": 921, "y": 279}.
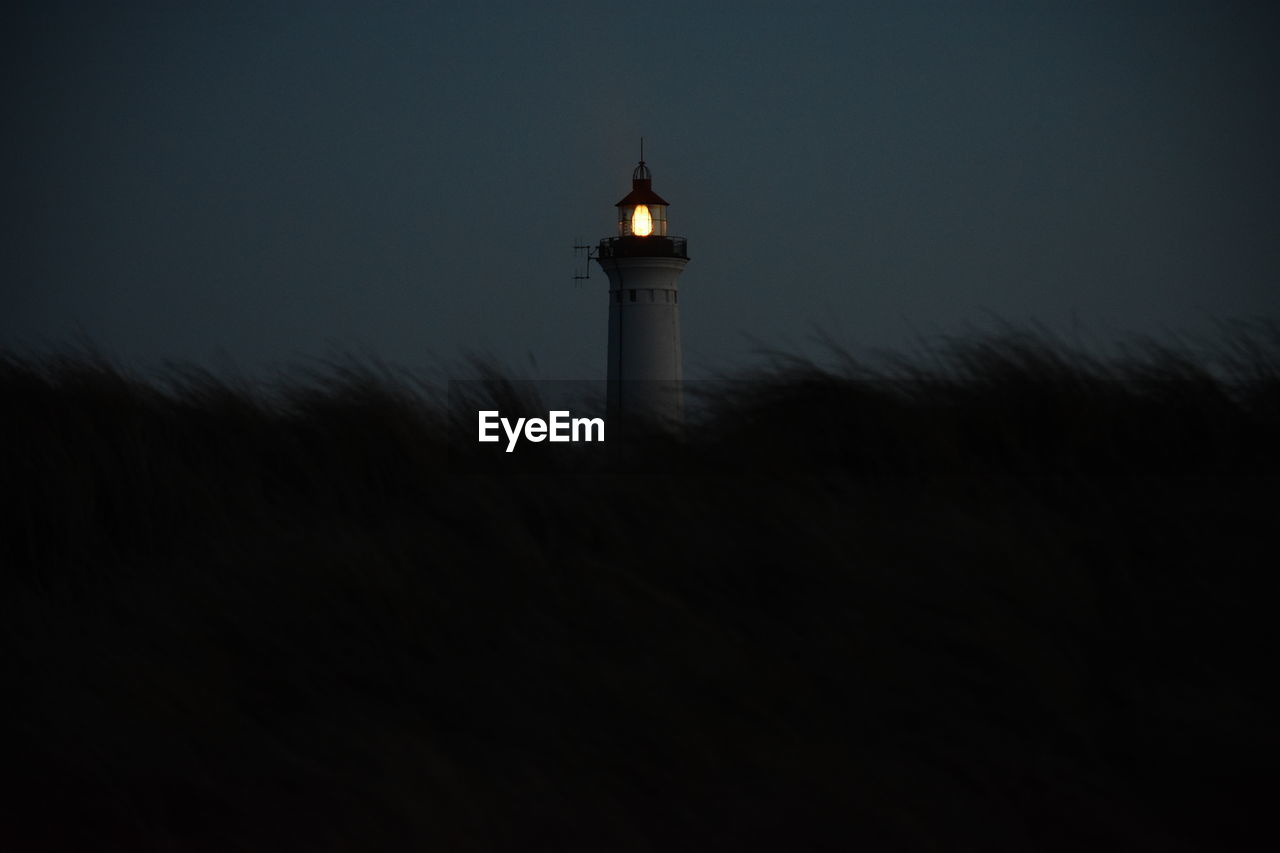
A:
{"x": 644, "y": 264}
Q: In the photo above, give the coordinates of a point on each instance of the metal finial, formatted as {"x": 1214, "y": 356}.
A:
{"x": 642, "y": 149}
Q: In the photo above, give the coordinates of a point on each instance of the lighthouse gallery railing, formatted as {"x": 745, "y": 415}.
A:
{"x": 644, "y": 247}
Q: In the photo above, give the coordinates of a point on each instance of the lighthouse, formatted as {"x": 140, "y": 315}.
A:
{"x": 643, "y": 263}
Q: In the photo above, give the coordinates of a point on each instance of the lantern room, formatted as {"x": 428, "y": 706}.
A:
{"x": 643, "y": 213}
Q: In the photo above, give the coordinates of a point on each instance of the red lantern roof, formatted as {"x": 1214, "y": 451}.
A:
{"x": 641, "y": 189}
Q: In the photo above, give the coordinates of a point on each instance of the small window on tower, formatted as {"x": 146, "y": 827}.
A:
{"x": 633, "y": 296}
{"x": 651, "y": 294}
{"x": 676, "y": 297}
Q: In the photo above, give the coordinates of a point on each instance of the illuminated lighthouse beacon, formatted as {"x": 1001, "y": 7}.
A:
{"x": 644, "y": 264}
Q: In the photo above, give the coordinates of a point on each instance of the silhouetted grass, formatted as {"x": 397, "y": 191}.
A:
{"x": 999, "y": 596}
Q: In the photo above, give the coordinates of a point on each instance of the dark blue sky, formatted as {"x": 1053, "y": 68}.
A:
{"x": 273, "y": 180}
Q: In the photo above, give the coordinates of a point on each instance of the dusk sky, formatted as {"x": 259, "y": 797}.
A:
{"x": 258, "y": 183}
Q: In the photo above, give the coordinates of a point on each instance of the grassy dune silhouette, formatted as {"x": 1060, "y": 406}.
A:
{"x": 1005, "y": 597}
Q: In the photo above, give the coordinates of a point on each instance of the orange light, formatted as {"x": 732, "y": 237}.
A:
{"x": 641, "y": 221}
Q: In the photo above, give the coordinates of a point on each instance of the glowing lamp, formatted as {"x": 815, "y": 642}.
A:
{"x": 641, "y": 221}
{"x": 643, "y": 213}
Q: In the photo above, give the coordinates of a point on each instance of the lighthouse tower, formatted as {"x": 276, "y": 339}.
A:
{"x": 643, "y": 264}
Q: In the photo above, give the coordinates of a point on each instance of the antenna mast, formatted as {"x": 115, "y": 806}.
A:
{"x": 582, "y": 273}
